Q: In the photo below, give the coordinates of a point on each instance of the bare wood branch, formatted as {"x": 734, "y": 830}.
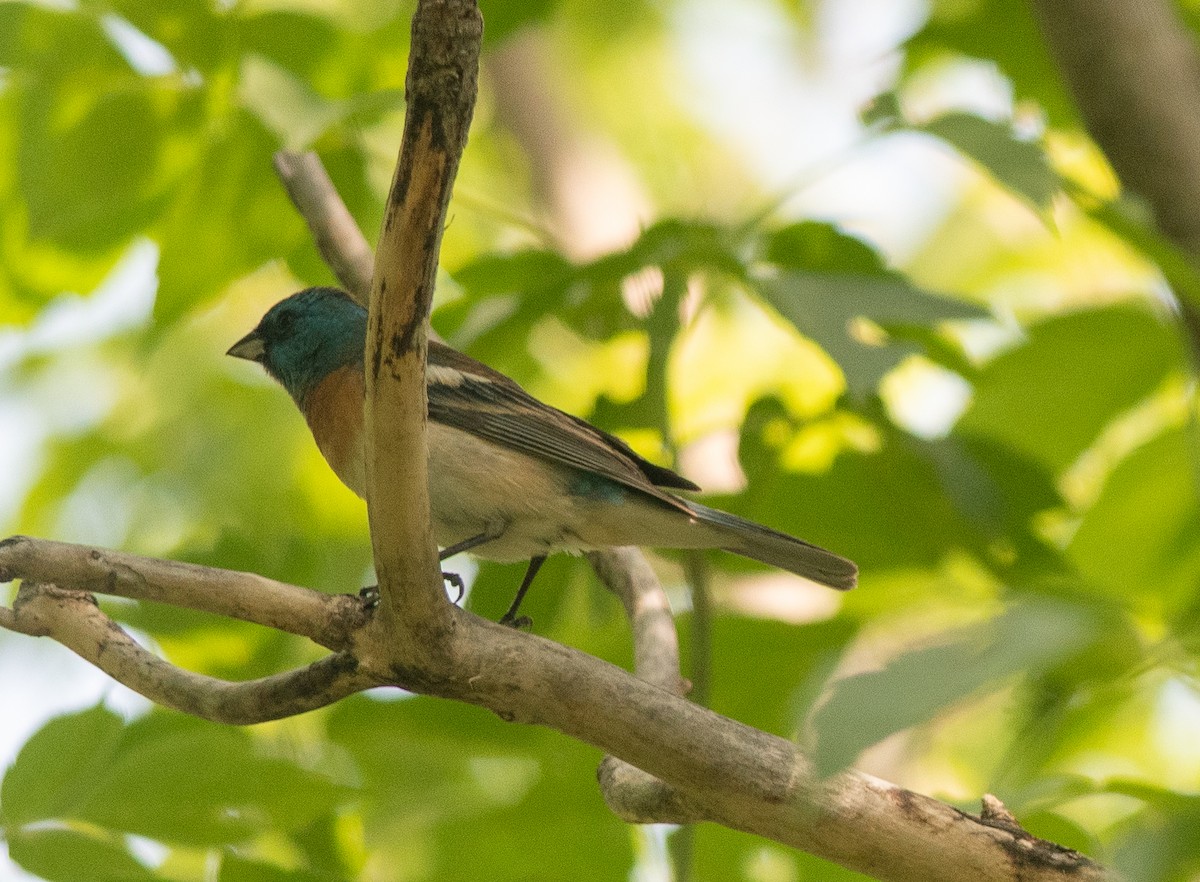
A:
{"x": 1134, "y": 69}
{"x": 696, "y": 763}
{"x": 440, "y": 90}
{"x": 329, "y": 620}
{"x": 706, "y": 766}
{"x": 633, "y": 795}
{"x": 339, "y": 239}
{"x": 627, "y": 573}
{"x": 73, "y": 619}
{"x": 738, "y": 776}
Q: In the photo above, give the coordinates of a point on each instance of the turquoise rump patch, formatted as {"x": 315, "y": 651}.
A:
{"x": 596, "y": 487}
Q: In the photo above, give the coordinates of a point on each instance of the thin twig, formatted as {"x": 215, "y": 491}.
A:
{"x": 342, "y": 245}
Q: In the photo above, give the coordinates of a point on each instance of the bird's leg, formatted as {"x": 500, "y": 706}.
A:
{"x": 492, "y": 532}
{"x": 510, "y": 617}
{"x": 471, "y": 542}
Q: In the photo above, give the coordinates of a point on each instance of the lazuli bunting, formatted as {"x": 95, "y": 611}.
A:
{"x": 510, "y": 478}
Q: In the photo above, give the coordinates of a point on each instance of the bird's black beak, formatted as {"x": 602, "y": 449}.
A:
{"x": 249, "y": 347}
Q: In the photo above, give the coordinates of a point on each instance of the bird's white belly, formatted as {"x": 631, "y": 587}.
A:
{"x": 476, "y": 487}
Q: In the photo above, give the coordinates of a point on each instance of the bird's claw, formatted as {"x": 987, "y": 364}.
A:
{"x": 456, "y": 581}
{"x": 370, "y": 596}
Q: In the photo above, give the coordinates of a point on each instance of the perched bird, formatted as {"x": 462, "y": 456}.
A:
{"x": 510, "y": 478}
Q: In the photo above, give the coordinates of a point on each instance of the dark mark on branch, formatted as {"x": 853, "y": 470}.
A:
{"x": 377, "y": 351}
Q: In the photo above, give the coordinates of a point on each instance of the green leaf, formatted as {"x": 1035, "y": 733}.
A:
{"x": 436, "y": 773}
{"x": 239, "y": 869}
{"x": 828, "y": 279}
{"x": 1140, "y": 542}
{"x": 771, "y": 687}
{"x": 1020, "y": 165}
{"x": 68, "y": 856}
{"x": 887, "y": 488}
{"x": 88, "y": 767}
{"x": 285, "y": 105}
{"x": 143, "y": 792}
{"x": 1051, "y": 397}
{"x": 504, "y": 18}
{"x": 58, "y": 765}
{"x": 232, "y": 184}
{"x": 1159, "y": 844}
{"x": 197, "y": 34}
{"x": 293, "y": 40}
{"x": 89, "y": 134}
{"x": 1003, "y": 33}
{"x": 866, "y": 708}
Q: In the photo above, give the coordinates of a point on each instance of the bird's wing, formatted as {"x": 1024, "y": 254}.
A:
{"x": 474, "y": 398}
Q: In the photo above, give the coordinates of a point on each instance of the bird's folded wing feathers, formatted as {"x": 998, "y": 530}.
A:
{"x": 492, "y": 407}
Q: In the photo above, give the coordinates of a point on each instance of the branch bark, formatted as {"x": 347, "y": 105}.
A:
{"x": 707, "y": 767}
{"x": 1134, "y": 69}
{"x": 72, "y": 618}
{"x": 440, "y": 90}
{"x": 329, "y": 620}
{"x": 341, "y": 243}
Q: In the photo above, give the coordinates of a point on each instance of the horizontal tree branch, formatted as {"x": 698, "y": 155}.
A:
{"x": 709, "y": 766}
{"x": 329, "y": 620}
{"x": 72, "y": 618}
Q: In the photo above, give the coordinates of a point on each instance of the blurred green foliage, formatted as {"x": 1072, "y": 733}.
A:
{"x": 1027, "y": 622}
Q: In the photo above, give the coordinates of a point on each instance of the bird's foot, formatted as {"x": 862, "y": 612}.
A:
{"x": 370, "y": 594}
{"x": 520, "y": 623}
{"x": 456, "y": 581}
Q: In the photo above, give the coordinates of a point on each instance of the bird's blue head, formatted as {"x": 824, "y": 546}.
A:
{"x": 302, "y": 339}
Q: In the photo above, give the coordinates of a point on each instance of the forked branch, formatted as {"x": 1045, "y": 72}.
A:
{"x": 694, "y": 764}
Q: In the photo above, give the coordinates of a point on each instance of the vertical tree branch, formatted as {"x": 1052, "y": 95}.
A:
{"x": 1134, "y": 69}
{"x": 441, "y": 83}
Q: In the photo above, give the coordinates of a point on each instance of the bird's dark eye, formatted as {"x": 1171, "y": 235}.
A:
{"x": 286, "y": 321}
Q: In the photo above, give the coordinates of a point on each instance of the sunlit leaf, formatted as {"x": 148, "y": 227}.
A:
{"x": 233, "y": 183}
{"x": 68, "y": 856}
{"x": 865, "y": 708}
{"x": 58, "y": 766}
{"x": 1074, "y": 374}
{"x": 1021, "y": 166}
{"x": 128, "y": 779}
{"x": 874, "y": 507}
{"x": 828, "y": 279}
{"x": 1141, "y": 540}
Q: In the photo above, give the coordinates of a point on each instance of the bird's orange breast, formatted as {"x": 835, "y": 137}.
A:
{"x": 334, "y": 410}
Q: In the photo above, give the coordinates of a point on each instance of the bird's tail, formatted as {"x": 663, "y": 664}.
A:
{"x": 779, "y": 549}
